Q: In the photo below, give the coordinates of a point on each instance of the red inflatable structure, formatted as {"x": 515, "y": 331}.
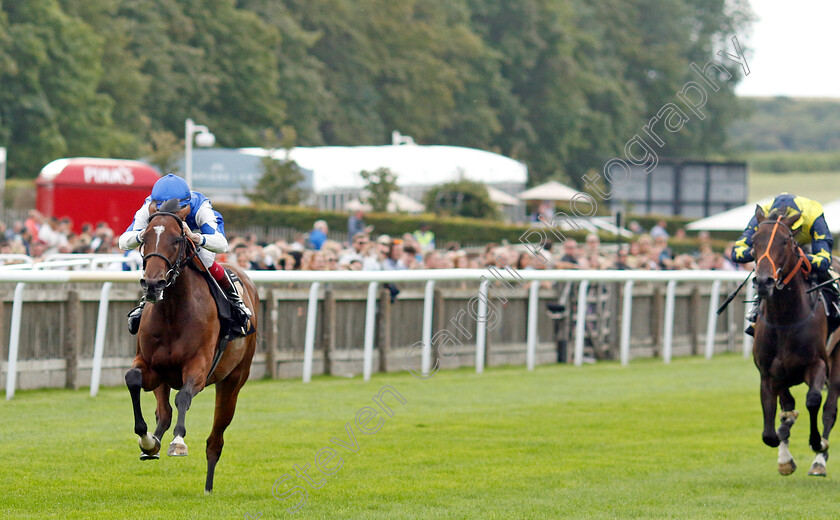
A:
{"x": 94, "y": 190}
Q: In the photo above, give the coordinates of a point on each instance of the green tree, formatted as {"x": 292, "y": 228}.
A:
{"x": 280, "y": 180}
{"x": 379, "y": 184}
{"x": 462, "y": 198}
{"x": 52, "y": 104}
{"x": 163, "y": 150}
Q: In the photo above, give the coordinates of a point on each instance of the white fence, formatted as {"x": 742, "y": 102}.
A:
{"x": 373, "y": 278}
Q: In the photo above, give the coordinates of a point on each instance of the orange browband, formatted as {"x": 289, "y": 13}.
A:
{"x": 803, "y": 262}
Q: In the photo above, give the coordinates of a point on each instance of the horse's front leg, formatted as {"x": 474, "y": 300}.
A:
{"x": 194, "y": 378}
{"x": 768, "y": 406}
{"x": 137, "y": 378}
{"x": 787, "y": 403}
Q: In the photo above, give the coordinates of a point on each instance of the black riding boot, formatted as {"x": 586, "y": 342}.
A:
{"x": 831, "y": 299}
{"x": 134, "y": 318}
{"x": 236, "y": 301}
{"x": 752, "y": 315}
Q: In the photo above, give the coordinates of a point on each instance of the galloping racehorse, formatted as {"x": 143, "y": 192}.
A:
{"x": 790, "y": 336}
{"x": 178, "y": 337}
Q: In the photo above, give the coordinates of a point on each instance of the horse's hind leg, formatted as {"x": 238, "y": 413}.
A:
{"x": 815, "y": 377}
{"x": 163, "y": 412}
{"x": 227, "y": 392}
{"x": 829, "y": 415}
{"x": 148, "y": 444}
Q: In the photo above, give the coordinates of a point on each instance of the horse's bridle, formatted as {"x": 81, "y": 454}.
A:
{"x": 803, "y": 263}
{"x": 174, "y": 269}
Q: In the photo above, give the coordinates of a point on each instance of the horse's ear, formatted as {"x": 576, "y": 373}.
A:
{"x": 759, "y": 214}
{"x": 152, "y": 207}
{"x": 791, "y": 219}
{"x": 183, "y": 212}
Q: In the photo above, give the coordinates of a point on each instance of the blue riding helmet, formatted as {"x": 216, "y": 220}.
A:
{"x": 171, "y": 187}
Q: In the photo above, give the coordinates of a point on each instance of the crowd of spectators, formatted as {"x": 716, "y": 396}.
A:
{"x": 39, "y": 236}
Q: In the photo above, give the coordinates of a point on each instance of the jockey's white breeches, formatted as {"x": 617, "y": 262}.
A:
{"x": 207, "y": 257}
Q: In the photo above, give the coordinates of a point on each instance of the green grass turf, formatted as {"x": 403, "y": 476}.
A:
{"x": 820, "y": 186}
{"x": 601, "y": 441}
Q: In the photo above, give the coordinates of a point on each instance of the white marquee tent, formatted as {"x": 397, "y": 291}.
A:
{"x": 736, "y": 219}
{"x": 338, "y": 167}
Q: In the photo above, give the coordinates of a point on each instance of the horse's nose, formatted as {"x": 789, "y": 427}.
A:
{"x": 153, "y": 288}
{"x": 764, "y": 285}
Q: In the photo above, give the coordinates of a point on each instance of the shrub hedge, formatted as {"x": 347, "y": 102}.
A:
{"x": 466, "y": 231}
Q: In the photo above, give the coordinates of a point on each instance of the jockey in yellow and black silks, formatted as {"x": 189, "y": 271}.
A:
{"x": 812, "y": 234}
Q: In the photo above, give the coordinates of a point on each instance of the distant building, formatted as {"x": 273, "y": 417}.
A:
{"x": 332, "y": 173}
{"x": 228, "y": 174}
{"x": 682, "y": 187}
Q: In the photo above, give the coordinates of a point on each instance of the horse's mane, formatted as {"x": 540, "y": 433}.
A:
{"x": 774, "y": 214}
{"x": 170, "y": 206}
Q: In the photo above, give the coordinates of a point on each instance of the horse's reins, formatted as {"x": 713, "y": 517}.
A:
{"x": 803, "y": 263}
{"x": 174, "y": 269}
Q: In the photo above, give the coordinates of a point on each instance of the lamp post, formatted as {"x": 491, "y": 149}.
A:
{"x": 2, "y": 178}
{"x": 204, "y": 139}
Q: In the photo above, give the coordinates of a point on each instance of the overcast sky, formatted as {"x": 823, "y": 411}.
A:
{"x": 793, "y": 49}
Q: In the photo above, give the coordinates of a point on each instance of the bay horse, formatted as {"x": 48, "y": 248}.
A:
{"x": 179, "y": 334}
{"x": 790, "y": 340}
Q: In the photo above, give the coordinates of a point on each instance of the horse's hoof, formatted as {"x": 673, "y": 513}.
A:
{"x": 177, "y": 449}
{"x": 149, "y": 457}
{"x": 149, "y": 445}
{"x": 771, "y": 440}
{"x": 787, "y": 468}
{"x": 817, "y": 470}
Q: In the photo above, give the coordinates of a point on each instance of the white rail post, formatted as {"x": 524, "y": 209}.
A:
{"x": 370, "y": 329}
{"x": 711, "y": 327}
{"x": 309, "y": 339}
{"x": 748, "y": 340}
{"x": 533, "y": 309}
{"x": 668, "y": 335}
{"x": 428, "y": 306}
{"x": 99, "y": 341}
{"x": 481, "y": 327}
{"x": 580, "y": 324}
{"x": 14, "y": 341}
{"x": 626, "y": 316}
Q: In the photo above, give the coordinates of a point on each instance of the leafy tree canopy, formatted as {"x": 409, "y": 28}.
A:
{"x": 462, "y": 199}
{"x": 561, "y": 85}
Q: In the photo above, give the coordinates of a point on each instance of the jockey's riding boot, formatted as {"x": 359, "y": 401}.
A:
{"x": 833, "y": 309}
{"x": 134, "y": 318}
{"x": 752, "y": 315}
{"x": 235, "y": 300}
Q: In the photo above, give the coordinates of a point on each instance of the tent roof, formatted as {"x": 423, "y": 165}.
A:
{"x": 338, "y": 167}
{"x": 396, "y": 202}
{"x": 551, "y": 190}
{"x": 94, "y": 171}
{"x": 500, "y": 197}
{"x": 736, "y": 219}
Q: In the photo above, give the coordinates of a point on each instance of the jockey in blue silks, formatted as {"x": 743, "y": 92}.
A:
{"x": 206, "y": 230}
{"x": 813, "y": 236}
